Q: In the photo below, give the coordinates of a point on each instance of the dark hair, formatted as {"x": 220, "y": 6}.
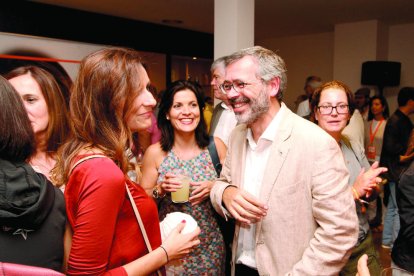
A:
{"x": 384, "y": 103}
{"x": 316, "y": 97}
{"x": 405, "y": 94}
{"x": 167, "y": 130}
{"x": 102, "y": 98}
{"x": 16, "y": 133}
{"x": 58, "y": 127}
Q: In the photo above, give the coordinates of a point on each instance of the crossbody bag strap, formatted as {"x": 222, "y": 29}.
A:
{"x": 140, "y": 223}
{"x": 214, "y": 155}
{"x": 131, "y": 199}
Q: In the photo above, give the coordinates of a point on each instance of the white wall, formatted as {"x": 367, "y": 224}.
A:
{"x": 401, "y": 48}
{"x": 314, "y": 55}
{"x": 354, "y": 43}
{"x": 304, "y": 56}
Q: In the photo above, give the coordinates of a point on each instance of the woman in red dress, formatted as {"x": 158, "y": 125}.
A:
{"x": 109, "y": 102}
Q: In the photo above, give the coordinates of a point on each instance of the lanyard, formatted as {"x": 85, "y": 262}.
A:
{"x": 372, "y": 135}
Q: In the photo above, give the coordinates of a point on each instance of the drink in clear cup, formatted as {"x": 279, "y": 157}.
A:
{"x": 182, "y": 195}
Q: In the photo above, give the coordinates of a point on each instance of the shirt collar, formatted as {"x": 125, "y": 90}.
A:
{"x": 223, "y": 105}
{"x": 270, "y": 132}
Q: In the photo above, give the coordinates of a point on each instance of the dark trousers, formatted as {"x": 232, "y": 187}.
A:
{"x": 365, "y": 247}
{"x": 242, "y": 270}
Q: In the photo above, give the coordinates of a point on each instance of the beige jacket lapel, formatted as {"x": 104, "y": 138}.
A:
{"x": 279, "y": 151}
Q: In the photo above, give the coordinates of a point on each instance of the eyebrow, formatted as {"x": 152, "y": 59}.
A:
{"x": 331, "y": 103}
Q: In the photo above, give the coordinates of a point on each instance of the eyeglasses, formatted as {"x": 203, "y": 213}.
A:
{"x": 327, "y": 109}
{"x": 238, "y": 86}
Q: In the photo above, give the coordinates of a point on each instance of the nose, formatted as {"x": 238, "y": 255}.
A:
{"x": 149, "y": 99}
{"x": 213, "y": 82}
{"x": 232, "y": 93}
{"x": 186, "y": 109}
{"x": 336, "y": 111}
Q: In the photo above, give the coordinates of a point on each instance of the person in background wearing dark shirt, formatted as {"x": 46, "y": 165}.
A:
{"x": 396, "y": 136}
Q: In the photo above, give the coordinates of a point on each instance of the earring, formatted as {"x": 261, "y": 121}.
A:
{"x": 168, "y": 117}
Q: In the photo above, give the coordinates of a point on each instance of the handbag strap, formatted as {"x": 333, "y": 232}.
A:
{"x": 214, "y": 155}
{"x": 140, "y": 223}
{"x": 84, "y": 159}
{"x": 131, "y": 199}
{"x": 138, "y": 217}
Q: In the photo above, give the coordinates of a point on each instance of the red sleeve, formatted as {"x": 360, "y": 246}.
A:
{"x": 95, "y": 194}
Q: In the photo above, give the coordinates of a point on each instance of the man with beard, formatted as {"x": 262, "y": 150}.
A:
{"x": 284, "y": 180}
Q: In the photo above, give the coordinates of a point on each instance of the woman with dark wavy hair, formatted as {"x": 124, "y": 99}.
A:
{"x": 183, "y": 146}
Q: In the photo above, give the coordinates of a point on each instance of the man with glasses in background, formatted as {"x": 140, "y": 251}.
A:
{"x": 284, "y": 179}
{"x": 223, "y": 120}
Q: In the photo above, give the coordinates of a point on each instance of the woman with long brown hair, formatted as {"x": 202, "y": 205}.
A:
{"x": 46, "y": 106}
{"x": 109, "y": 102}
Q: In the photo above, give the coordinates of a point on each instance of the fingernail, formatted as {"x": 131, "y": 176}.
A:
{"x": 183, "y": 221}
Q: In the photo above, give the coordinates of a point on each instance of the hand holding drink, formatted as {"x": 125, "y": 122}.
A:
{"x": 178, "y": 183}
{"x": 182, "y": 194}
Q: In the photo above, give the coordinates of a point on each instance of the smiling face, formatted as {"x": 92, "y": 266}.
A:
{"x": 184, "y": 113}
{"x": 140, "y": 116}
{"x": 252, "y": 101}
{"x": 333, "y": 123}
{"x": 34, "y": 102}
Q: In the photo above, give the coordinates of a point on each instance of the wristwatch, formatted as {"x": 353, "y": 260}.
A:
{"x": 156, "y": 193}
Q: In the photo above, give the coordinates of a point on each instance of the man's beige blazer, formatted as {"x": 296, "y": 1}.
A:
{"x": 311, "y": 225}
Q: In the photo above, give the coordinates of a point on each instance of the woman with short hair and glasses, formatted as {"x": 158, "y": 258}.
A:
{"x": 332, "y": 106}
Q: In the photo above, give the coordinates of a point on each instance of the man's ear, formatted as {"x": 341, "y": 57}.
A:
{"x": 275, "y": 86}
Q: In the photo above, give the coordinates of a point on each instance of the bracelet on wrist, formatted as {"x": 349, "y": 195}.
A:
{"x": 157, "y": 194}
{"x": 166, "y": 254}
{"x": 355, "y": 192}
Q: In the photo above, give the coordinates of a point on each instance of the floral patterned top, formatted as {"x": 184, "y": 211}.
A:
{"x": 207, "y": 258}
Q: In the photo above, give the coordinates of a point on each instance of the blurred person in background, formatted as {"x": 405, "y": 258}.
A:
{"x": 312, "y": 82}
{"x": 46, "y": 107}
{"x": 374, "y": 133}
{"x": 32, "y": 210}
{"x": 395, "y": 144}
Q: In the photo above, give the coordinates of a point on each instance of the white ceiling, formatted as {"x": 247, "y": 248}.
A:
{"x": 273, "y": 18}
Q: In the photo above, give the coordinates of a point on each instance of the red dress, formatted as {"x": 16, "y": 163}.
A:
{"x": 106, "y": 234}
